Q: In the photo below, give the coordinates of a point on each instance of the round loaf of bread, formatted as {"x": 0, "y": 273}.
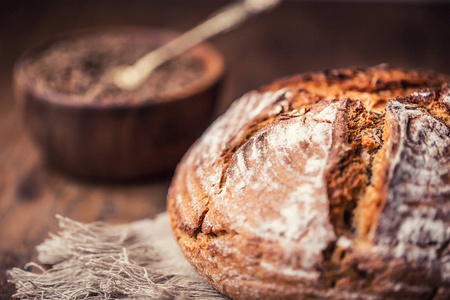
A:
{"x": 332, "y": 185}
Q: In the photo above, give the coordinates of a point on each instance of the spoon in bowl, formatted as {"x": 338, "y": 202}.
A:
{"x": 130, "y": 77}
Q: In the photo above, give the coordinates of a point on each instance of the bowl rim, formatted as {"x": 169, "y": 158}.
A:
{"x": 212, "y": 59}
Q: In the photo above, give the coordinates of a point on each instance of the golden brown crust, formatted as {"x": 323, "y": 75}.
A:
{"x": 303, "y": 189}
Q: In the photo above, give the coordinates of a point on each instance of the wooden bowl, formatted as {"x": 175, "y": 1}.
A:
{"x": 120, "y": 139}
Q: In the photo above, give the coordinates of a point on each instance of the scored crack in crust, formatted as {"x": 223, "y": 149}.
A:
{"x": 325, "y": 185}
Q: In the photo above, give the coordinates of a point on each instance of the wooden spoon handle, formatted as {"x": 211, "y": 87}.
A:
{"x": 130, "y": 77}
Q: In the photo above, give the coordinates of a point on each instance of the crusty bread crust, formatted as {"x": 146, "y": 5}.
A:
{"x": 325, "y": 185}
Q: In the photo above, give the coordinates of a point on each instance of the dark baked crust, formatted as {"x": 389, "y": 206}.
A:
{"x": 314, "y": 187}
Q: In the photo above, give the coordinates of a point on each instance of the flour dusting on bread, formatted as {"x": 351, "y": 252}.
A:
{"x": 326, "y": 185}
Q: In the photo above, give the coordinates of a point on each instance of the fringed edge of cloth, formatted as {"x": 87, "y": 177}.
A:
{"x": 140, "y": 260}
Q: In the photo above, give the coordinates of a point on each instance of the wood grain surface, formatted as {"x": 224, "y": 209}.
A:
{"x": 296, "y": 37}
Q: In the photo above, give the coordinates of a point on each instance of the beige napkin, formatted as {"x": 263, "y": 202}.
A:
{"x": 140, "y": 260}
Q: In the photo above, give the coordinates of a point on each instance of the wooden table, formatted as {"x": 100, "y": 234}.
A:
{"x": 297, "y": 37}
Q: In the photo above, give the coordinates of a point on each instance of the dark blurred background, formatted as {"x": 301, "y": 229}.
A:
{"x": 298, "y": 36}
